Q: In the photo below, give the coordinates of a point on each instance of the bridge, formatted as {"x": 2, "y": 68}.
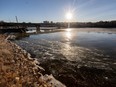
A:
{"x": 22, "y": 27}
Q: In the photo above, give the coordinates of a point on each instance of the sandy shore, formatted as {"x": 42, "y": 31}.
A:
{"x": 18, "y": 69}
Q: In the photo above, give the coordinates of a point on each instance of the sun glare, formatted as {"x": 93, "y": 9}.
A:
{"x": 69, "y": 15}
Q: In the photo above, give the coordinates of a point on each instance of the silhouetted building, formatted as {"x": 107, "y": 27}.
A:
{"x": 45, "y": 22}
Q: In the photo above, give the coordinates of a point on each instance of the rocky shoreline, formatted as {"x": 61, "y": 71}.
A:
{"x": 18, "y": 69}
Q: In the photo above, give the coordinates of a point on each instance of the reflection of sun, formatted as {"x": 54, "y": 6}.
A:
{"x": 68, "y": 35}
{"x": 68, "y": 29}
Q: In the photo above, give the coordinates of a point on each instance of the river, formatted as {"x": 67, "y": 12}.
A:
{"x": 84, "y": 57}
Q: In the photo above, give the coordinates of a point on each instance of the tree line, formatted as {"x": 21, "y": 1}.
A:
{"x": 100, "y": 24}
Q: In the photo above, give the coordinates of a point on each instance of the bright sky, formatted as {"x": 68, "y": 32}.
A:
{"x": 55, "y": 10}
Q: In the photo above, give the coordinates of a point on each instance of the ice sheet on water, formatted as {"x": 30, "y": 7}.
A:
{"x": 44, "y": 49}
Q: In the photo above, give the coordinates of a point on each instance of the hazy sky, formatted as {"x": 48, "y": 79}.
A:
{"x": 55, "y": 10}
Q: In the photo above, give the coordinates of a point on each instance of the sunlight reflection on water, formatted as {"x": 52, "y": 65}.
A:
{"x": 70, "y": 52}
{"x": 68, "y": 29}
{"x": 68, "y": 34}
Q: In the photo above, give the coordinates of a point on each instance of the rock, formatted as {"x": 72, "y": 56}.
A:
{"x": 17, "y": 78}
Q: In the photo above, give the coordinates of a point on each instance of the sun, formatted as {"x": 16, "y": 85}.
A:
{"x": 69, "y": 15}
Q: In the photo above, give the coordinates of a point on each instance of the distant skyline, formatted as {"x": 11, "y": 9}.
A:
{"x": 55, "y": 10}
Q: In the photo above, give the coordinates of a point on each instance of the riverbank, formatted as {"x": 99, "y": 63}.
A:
{"x": 18, "y": 69}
